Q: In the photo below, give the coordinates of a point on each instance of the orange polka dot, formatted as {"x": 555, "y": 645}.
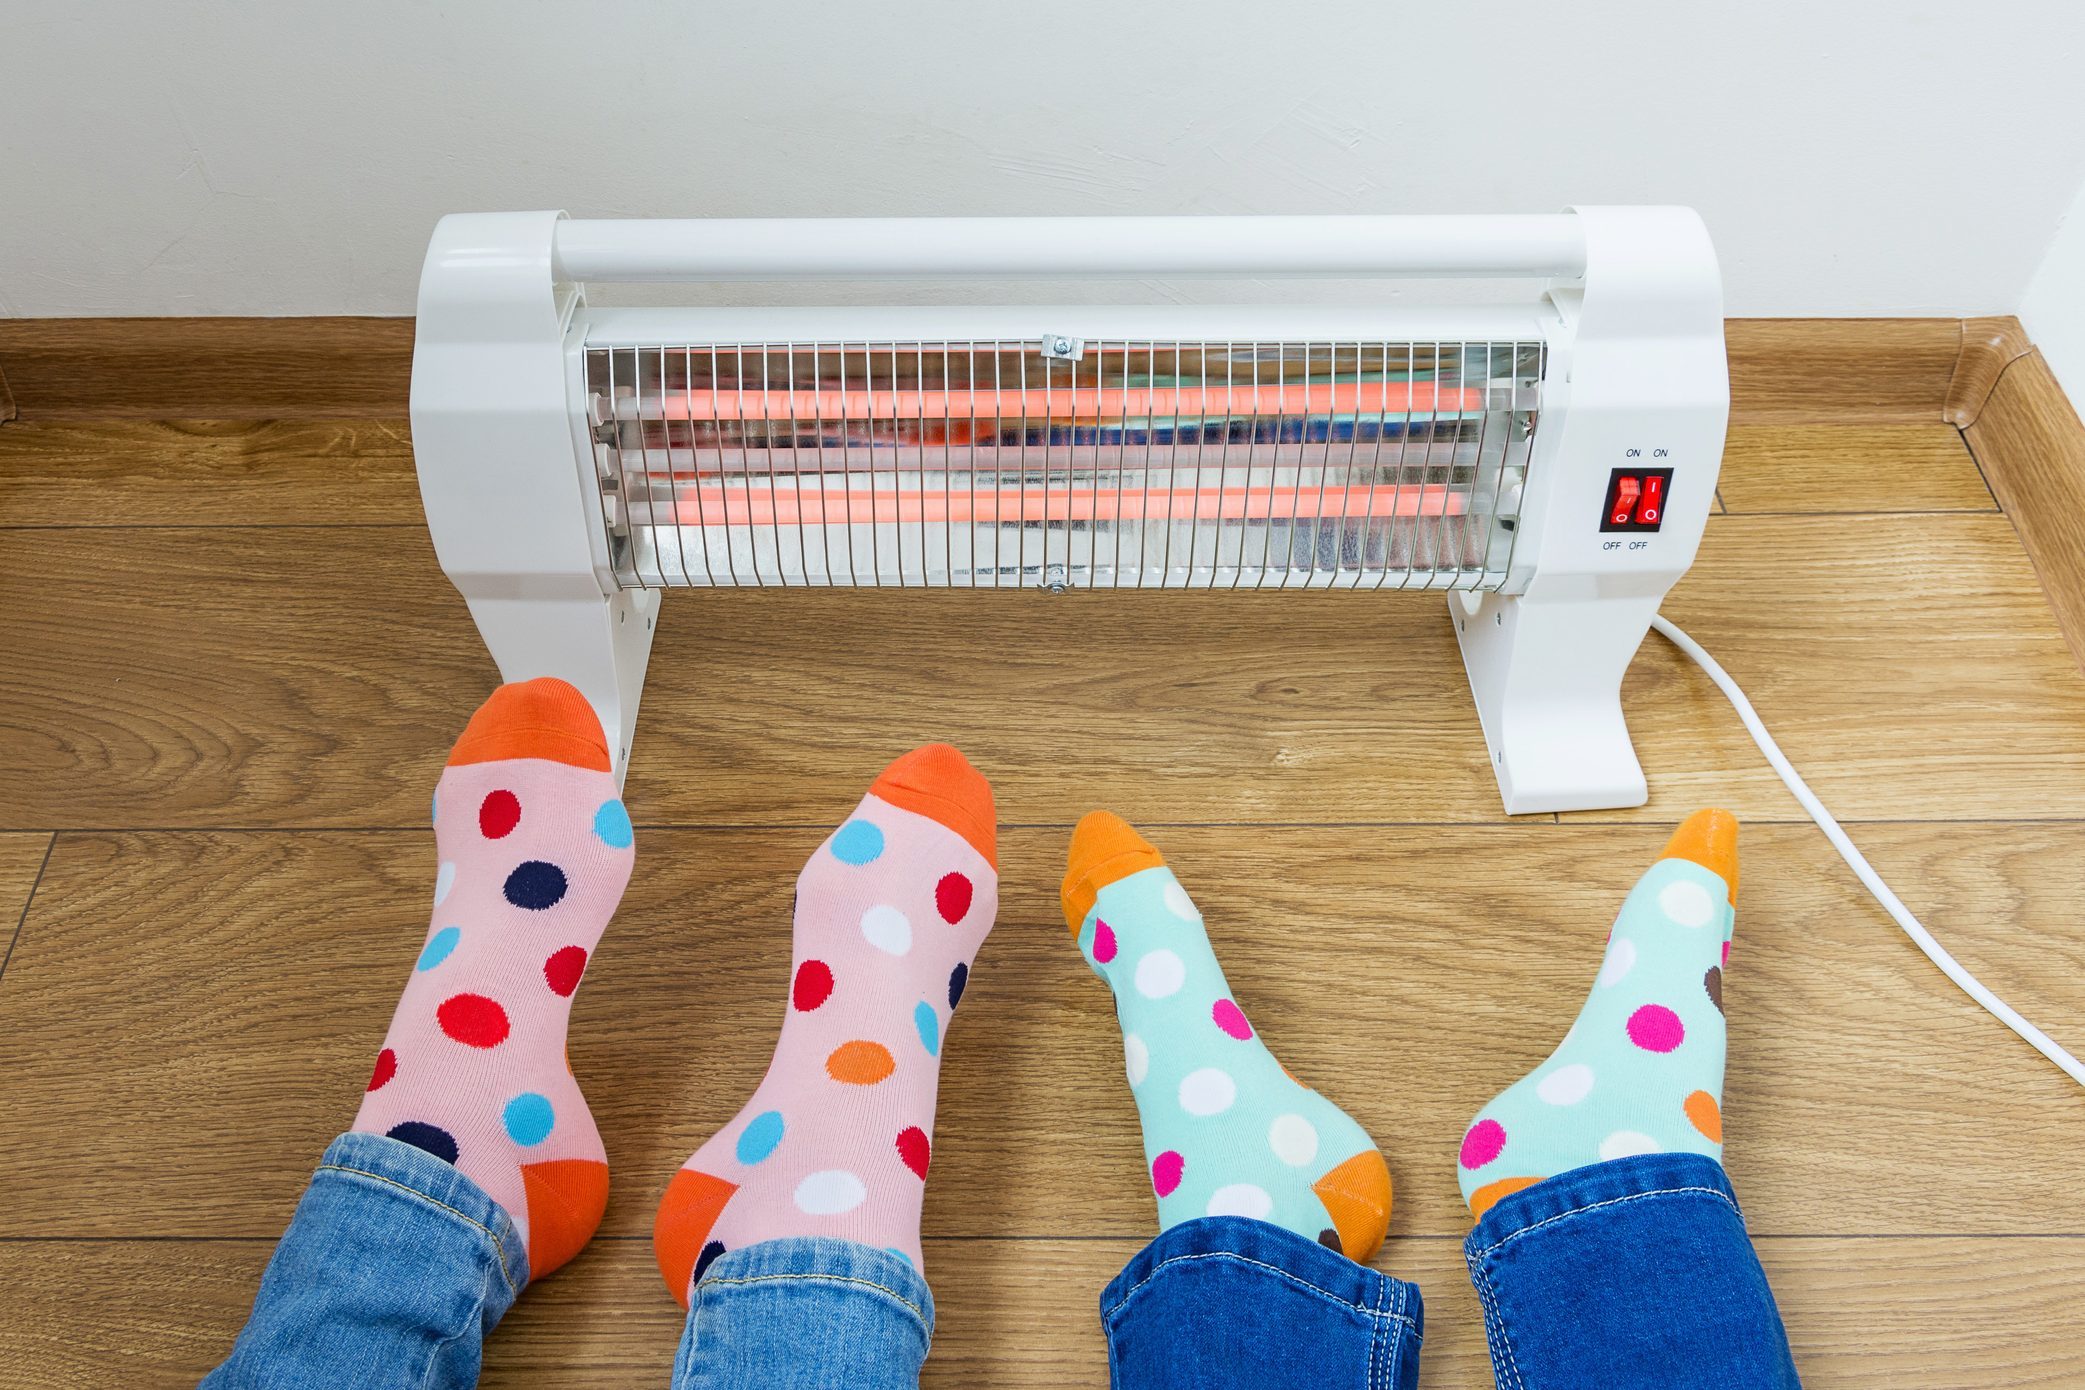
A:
{"x": 860, "y": 1063}
{"x": 1487, "y": 1196}
{"x": 1705, "y": 1115}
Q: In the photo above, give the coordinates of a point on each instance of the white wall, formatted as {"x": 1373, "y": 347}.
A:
{"x": 210, "y": 157}
{"x": 2053, "y": 309}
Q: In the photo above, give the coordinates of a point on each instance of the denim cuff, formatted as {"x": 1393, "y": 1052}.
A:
{"x": 1230, "y": 1300}
{"x": 380, "y": 1164}
{"x": 1632, "y": 1273}
{"x": 832, "y": 1312}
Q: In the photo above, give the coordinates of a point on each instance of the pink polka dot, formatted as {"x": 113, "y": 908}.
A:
{"x": 1485, "y": 1142}
{"x": 1104, "y": 945}
{"x": 1166, "y": 1170}
{"x": 1726, "y": 953}
{"x": 1231, "y": 1019}
{"x": 1655, "y": 1028}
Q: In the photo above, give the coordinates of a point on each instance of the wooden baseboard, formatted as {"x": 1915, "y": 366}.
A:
{"x": 2031, "y": 446}
{"x": 214, "y": 369}
{"x": 1783, "y": 371}
{"x": 1989, "y": 346}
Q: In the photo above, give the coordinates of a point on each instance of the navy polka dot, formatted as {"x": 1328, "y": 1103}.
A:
{"x": 536, "y": 885}
{"x": 708, "y": 1255}
{"x": 957, "y": 978}
{"x": 420, "y": 1135}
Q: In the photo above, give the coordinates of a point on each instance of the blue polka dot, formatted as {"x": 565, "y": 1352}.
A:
{"x": 760, "y": 1137}
{"x": 857, "y": 842}
{"x": 528, "y": 1118}
{"x": 536, "y": 885}
{"x": 929, "y": 1024}
{"x": 612, "y": 824}
{"x": 894, "y": 1250}
{"x": 421, "y": 1135}
{"x": 708, "y": 1257}
{"x": 438, "y": 947}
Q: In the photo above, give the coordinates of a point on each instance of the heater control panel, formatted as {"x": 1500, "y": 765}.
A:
{"x": 1636, "y": 499}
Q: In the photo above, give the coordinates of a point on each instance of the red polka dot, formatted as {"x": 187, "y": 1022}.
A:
{"x": 386, "y": 1068}
{"x": 1104, "y": 944}
{"x": 952, "y": 897}
{"x": 473, "y": 1019}
{"x": 1166, "y": 1171}
{"x": 1485, "y": 1142}
{"x": 914, "y": 1149}
{"x": 562, "y": 971}
{"x": 1231, "y": 1019}
{"x": 498, "y": 814}
{"x": 814, "y": 985}
{"x": 1655, "y": 1028}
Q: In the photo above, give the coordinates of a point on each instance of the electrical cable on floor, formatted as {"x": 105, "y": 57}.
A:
{"x": 1855, "y": 860}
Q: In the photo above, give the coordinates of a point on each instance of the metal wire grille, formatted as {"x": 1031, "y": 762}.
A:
{"x": 1096, "y": 464}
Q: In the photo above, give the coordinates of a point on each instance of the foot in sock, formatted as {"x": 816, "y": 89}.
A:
{"x": 889, "y": 912}
{"x": 1227, "y": 1131}
{"x": 534, "y": 849}
{"x": 1641, "y": 1071}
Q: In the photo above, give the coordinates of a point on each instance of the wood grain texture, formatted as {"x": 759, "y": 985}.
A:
{"x": 300, "y": 677}
{"x": 216, "y": 368}
{"x": 1841, "y": 371}
{"x": 208, "y": 473}
{"x": 1927, "y": 1313}
{"x": 1869, "y": 371}
{"x": 194, "y": 986}
{"x": 2032, "y": 446}
{"x": 1851, "y": 468}
{"x": 1989, "y": 346}
{"x": 21, "y": 860}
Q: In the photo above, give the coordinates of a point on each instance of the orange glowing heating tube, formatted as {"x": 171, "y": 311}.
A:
{"x": 1078, "y": 404}
{"x": 710, "y": 505}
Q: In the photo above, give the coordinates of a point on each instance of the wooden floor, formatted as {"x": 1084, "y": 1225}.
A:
{"x": 230, "y": 669}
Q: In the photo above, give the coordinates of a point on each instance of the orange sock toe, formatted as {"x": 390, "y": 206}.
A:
{"x": 544, "y": 718}
{"x": 1104, "y": 849}
{"x": 939, "y": 783}
{"x": 1709, "y": 838}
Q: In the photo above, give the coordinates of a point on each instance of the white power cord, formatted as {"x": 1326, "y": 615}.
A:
{"x": 1855, "y": 860}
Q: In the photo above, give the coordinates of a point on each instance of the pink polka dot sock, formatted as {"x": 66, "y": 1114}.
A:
{"x": 1227, "y": 1130}
{"x": 534, "y": 849}
{"x": 836, "y": 1140}
{"x": 1641, "y": 1070}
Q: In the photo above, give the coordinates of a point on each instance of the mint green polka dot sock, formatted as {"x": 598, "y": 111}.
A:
{"x": 1641, "y": 1071}
{"x": 1227, "y": 1131}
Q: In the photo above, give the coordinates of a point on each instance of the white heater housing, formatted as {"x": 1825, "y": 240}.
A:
{"x": 1550, "y": 464}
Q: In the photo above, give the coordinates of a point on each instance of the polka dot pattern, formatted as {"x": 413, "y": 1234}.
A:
{"x": 1621, "y": 959}
{"x": 1705, "y": 1115}
{"x": 1136, "y": 1059}
{"x": 1240, "y": 1199}
{"x": 1166, "y": 1171}
{"x": 812, "y": 987}
{"x": 1485, "y": 1141}
{"x": 421, "y": 1135}
{"x": 1179, "y": 904}
{"x": 1626, "y": 1143}
{"x": 1655, "y": 1028}
{"x": 386, "y": 1068}
{"x": 1160, "y": 975}
{"x": 857, "y": 842}
{"x": 612, "y": 825}
{"x": 1293, "y": 1139}
{"x": 958, "y": 979}
{"x": 860, "y": 1063}
{"x": 473, "y": 1020}
{"x": 833, "y": 1192}
{"x": 914, "y": 1151}
{"x": 710, "y": 1251}
{"x": 1712, "y": 985}
{"x": 1230, "y": 1019}
{"x": 535, "y": 885}
{"x": 444, "y": 882}
{"x": 1566, "y": 1085}
{"x": 1687, "y": 903}
{"x": 528, "y": 1118}
{"x": 1207, "y": 1091}
{"x": 1104, "y": 944}
{"x": 887, "y": 929}
{"x": 562, "y": 971}
{"x": 498, "y": 814}
{"x": 952, "y": 896}
{"x": 438, "y": 948}
{"x": 760, "y": 1138}
{"x": 928, "y": 1025}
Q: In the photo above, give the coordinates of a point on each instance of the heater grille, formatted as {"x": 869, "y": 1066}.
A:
{"x": 1065, "y": 463}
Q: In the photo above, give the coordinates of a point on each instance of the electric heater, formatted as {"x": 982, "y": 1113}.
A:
{"x": 1549, "y": 463}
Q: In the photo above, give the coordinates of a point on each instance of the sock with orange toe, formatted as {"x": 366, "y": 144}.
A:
{"x": 1641, "y": 1071}
{"x": 1227, "y": 1131}
{"x": 535, "y": 849}
{"x": 835, "y": 1142}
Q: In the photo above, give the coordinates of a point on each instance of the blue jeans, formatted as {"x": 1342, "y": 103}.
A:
{"x": 1634, "y": 1273}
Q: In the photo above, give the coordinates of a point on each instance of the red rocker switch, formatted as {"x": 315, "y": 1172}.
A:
{"x": 1636, "y": 499}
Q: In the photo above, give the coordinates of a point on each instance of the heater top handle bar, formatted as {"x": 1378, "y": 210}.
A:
{"x": 1549, "y": 245}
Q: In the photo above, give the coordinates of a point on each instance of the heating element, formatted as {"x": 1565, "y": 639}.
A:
{"x": 1549, "y": 463}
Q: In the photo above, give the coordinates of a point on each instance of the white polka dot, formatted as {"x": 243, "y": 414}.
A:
{"x": 1159, "y": 974}
{"x": 1240, "y": 1199}
{"x": 887, "y": 929}
{"x": 1567, "y": 1085}
{"x": 1627, "y": 1143}
{"x": 830, "y": 1193}
{"x": 1687, "y": 903}
{"x": 444, "y": 880}
{"x": 1136, "y": 1058}
{"x": 1293, "y": 1140}
{"x": 1207, "y": 1092}
{"x": 1621, "y": 959}
{"x": 1179, "y": 904}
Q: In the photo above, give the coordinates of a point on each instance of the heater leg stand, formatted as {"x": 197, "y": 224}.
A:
{"x": 1547, "y": 677}
{"x": 598, "y": 644}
